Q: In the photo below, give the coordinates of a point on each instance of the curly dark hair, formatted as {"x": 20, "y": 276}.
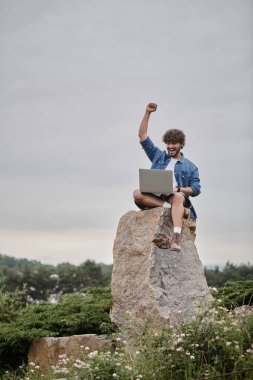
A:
{"x": 174, "y": 136}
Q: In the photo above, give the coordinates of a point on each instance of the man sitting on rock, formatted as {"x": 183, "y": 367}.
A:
{"x": 185, "y": 182}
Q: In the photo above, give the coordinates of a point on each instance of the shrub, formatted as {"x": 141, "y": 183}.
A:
{"x": 11, "y": 303}
{"x": 235, "y": 293}
{"x": 215, "y": 345}
{"x": 74, "y": 314}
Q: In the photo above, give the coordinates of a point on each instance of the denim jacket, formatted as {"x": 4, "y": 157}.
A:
{"x": 186, "y": 172}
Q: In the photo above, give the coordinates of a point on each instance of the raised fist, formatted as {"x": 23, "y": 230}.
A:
{"x": 151, "y": 107}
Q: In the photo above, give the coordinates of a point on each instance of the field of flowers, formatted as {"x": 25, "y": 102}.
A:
{"x": 218, "y": 344}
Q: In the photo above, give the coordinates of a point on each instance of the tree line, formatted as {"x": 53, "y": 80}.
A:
{"x": 44, "y": 281}
{"x": 218, "y": 276}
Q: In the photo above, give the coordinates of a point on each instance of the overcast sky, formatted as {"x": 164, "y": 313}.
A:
{"x": 75, "y": 78}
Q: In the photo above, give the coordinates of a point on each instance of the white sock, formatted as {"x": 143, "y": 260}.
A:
{"x": 177, "y": 230}
{"x": 167, "y": 205}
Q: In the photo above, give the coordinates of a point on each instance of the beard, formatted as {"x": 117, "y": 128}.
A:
{"x": 173, "y": 152}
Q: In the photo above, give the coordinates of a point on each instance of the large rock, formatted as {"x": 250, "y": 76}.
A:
{"x": 153, "y": 283}
{"x": 45, "y": 351}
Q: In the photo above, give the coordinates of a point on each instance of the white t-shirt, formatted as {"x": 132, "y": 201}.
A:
{"x": 171, "y": 166}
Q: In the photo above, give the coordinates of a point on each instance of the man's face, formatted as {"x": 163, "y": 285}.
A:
{"x": 173, "y": 149}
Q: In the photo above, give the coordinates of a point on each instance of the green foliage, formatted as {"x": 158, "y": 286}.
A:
{"x": 214, "y": 345}
{"x": 218, "y": 277}
{"x": 67, "y": 279}
{"x": 11, "y": 303}
{"x": 44, "y": 281}
{"x": 74, "y": 279}
{"x": 235, "y": 293}
{"x": 74, "y": 314}
{"x": 107, "y": 272}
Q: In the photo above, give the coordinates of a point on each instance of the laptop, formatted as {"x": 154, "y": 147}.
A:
{"x": 156, "y": 181}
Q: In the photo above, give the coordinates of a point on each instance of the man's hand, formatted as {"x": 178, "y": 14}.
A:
{"x": 151, "y": 107}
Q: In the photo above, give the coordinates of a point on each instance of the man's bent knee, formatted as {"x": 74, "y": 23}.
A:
{"x": 137, "y": 195}
{"x": 138, "y": 199}
{"x": 176, "y": 198}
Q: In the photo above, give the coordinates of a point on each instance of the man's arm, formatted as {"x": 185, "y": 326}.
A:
{"x": 193, "y": 188}
{"x": 151, "y": 107}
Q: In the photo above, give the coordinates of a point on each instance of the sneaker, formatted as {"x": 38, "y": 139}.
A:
{"x": 175, "y": 242}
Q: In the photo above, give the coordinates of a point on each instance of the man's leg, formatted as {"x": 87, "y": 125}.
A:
{"x": 148, "y": 200}
{"x": 177, "y": 215}
{"x": 178, "y": 212}
{"x": 177, "y": 209}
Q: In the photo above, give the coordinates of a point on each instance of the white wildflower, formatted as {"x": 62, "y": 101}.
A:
{"x": 62, "y": 356}
{"x": 77, "y": 365}
{"x": 93, "y": 354}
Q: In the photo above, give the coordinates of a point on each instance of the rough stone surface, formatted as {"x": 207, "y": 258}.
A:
{"x": 45, "y": 351}
{"x": 153, "y": 283}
